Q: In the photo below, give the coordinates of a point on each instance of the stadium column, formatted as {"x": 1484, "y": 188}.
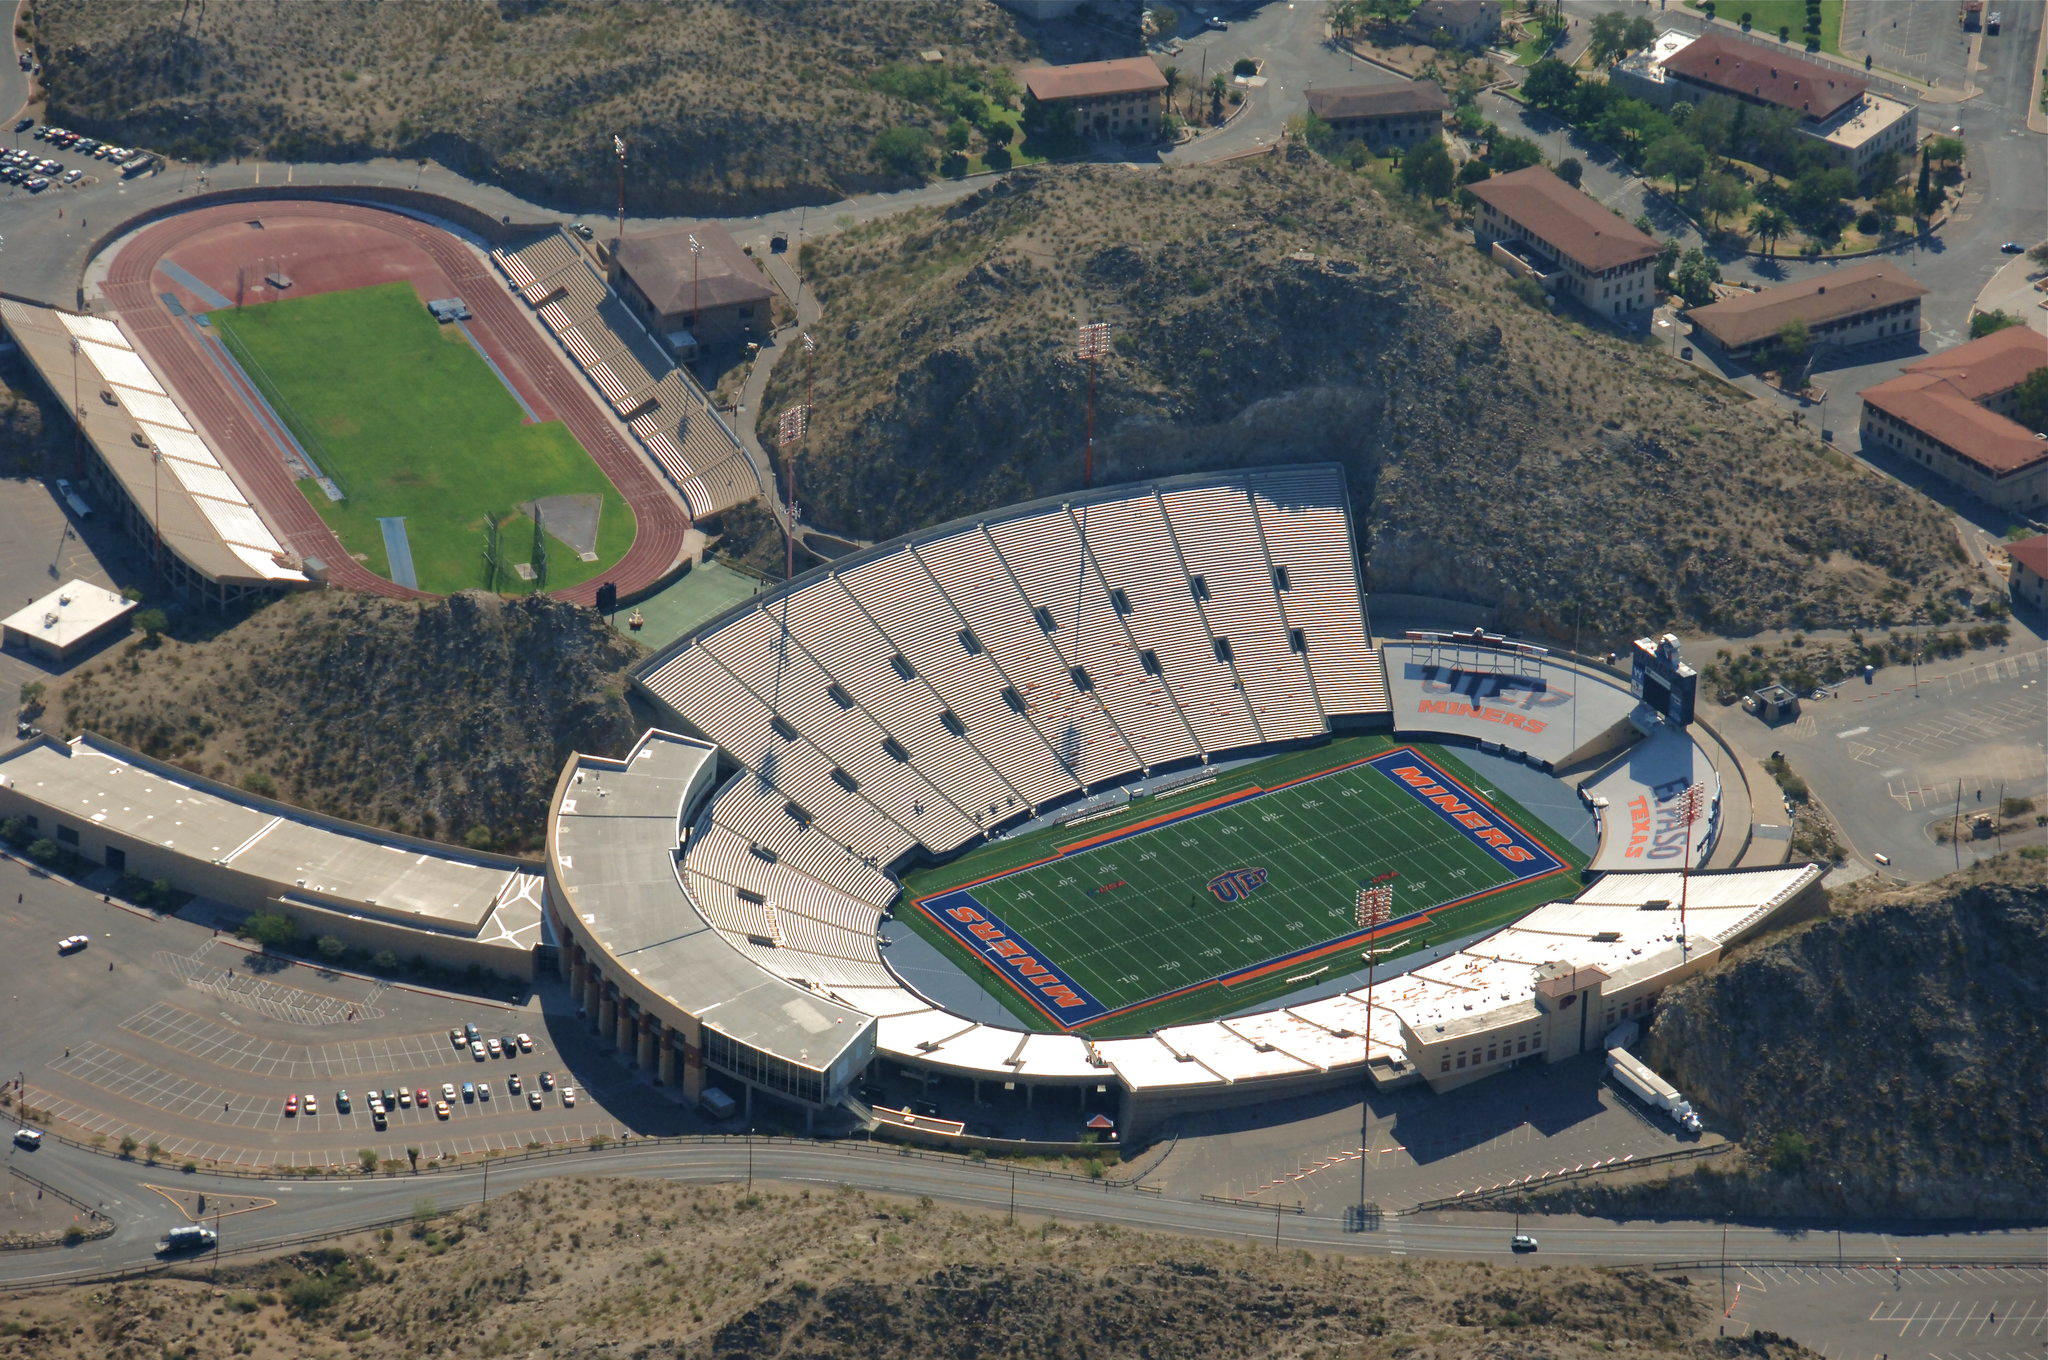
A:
{"x": 586, "y": 985}
{"x": 643, "y": 1056}
{"x": 622, "y": 1035}
{"x": 607, "y": 1009}
{"x": 665, "y": 1069}
{"x": 565, "y": 964}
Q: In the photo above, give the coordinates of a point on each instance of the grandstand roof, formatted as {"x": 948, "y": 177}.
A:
{"x": 322, "y": 860}
{"x": 676, "y": 279}
{"x": 613, "y": 842}
{"x": 1569, "y": 221}
{"x": 1747, "y": 318}
{"x": 1728, "y": 64}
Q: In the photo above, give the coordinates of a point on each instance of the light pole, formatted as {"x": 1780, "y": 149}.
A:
{"x": 696, "y": 255}
{"x": 790, "y": 428}
{"x": 619, "y": 150}
{"x": 1375, "y": 904}
{"x": 1091, "y": 342}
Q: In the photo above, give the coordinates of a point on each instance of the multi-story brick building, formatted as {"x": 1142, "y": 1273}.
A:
{"x": 1855, "y": 305}
{"x": 1953, "y": 413}
{"x": 1384, "y": 117}
{"x": 1124, "y": 99}
{"x": 1540, "y": 227}
{"x": 1464, "y": 23}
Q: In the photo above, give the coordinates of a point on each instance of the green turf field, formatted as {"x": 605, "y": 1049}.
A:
{"x": 410, "y": 420}
{"x": 1135, "y": 924}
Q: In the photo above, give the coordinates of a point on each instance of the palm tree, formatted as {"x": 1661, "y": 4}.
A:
{"x": 1769, "y": 225}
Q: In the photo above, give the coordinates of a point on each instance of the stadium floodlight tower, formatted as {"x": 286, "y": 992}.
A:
{"x": 1375, "y": 905}
{"x": 791, "y": 428}
{"x": 1091, "y": 342}
{"x": 619, "y": 150}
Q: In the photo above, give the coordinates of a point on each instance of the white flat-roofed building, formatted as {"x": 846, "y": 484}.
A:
{"x": 67, "y": 621}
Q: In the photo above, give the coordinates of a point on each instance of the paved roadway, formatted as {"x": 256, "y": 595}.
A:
{"x": 319, "y": 1206}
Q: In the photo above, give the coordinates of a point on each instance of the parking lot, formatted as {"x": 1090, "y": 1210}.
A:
{"x": 39, "y": 158}
{"x": 1877, "y": 1313}
{"x": 166, "y": 1032}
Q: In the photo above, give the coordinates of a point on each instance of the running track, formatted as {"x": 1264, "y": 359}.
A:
{"x": 527, "y": 359}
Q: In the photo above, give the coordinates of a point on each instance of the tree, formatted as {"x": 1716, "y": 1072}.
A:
{"x": 1790, "y": 347}
{"x": 152, "y": 623}
{"x": 1677, "y": 158}
{"x": 368, "y": 1159}
{"x": 1571, "y": 171}
{"x": 128, "y": 1145}
{"x": 1610, "y": 38}
{"x": 1426, "y": 169}
{"x": 1310, "y": 129}
{"x": 1945, "y": 149}
{"x": 1985, "y": 323}
{"x": 2030, "y": 400}
{"x": 1471, "y": 172}
{"x": 1507, "y": 154}
{"x": 1695, "y": 277}
{"x": 907, "y": 150}
{"x": 424, "y": 1211}
{"x": 330, "y": 947}
{"x": 959, "y": 134}
{"x": 1719, "y": 194}
{"x": 999, "y": 133}
{"x": 1165, "y": 21}
{"x": 1816, "y": 198}
{"x": 32, "y": 692}
{"x": 1640, "y": 34}
{"x": 1770, "y": 226}
{"x": 43, "y": 850}
{"x": 271, "y": 929}
{"x": 1550, "y": 84}
{"x": 2039, "y": 254}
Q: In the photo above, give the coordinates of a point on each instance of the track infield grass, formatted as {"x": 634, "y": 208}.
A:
{"x": 411, "y": 421}
{"x": 1123, "y": 909}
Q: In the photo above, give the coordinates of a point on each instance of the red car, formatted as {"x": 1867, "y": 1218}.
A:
{"x": 422, "y": 1097}
{"x": 291, "y": 1105}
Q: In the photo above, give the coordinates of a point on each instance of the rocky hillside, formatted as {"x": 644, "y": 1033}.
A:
{"x": 448, "y": 719}
{"x": 1267, "y": 311}
{"x": 583, "y": 1269}
{"x": 1890, "y": 1060}
{"x": 728, "y": 105}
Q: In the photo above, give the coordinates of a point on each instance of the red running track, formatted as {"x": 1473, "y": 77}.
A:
{"x": 329, "y": 246}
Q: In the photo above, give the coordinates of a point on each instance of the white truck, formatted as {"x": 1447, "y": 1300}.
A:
{"x": 1632, "y": 1076}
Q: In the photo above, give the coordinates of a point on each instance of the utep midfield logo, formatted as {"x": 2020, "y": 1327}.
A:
{"x": 1236, "y": 884}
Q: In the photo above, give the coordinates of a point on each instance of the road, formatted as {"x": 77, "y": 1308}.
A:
{"x": 304, "y": 1207}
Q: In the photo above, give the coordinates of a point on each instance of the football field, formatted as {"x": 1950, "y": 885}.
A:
{"x": 1206, "y": 901}
{"x": 416, "y": 426}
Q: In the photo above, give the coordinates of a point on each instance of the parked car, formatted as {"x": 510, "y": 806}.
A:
{"x": 447, "y": 1090}
{"x": 37, "y": 185}
{"x": 390, "y": 1098}
{"x": 2011, "y": 247}
{"x": 73, "y": 176}
{"x": 476, "y": 1050}
{"x": 457, "y": 1038}
{"x": 405, "y": 1097}
{"x": 422, "y": 1097}
{"x": 547, "y": 1081}
{"x": 377, "y": 1119}
{"x": 526, "y": 1043}
{"x": 71, "y": 944}
{"x": 440, "y": 1109}
{"x": 472, "y": 1032}
{"x": 492, "y": 1045}
{"x": 341, "y": 1102}
{"x": 312, "y": 1105}
{"x": 509, "y": 1044}
{"x": 568, "y": 1095}
{"x": 291, "y": 1106}
{"x": 483, "y": 1090}
{"x": 533, "y": 1100}
{"x": 512, "y": 1083}
{"x": 469, "y": 1091}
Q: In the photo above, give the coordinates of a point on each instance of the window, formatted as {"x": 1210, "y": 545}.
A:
{"x": 1280, "y": 578}
{"x": 901, "y": 667}
{"x": 781, "y": 727}
{"x": 1082, "y": 680}
{"x": 1198, "y": 586}
{"x": 67, "y": 835}
{"x": 895, "y": 749}
{"x": 1119, "y": 601}
{"x": 1224, "y": 652}
{"x": 1522, "y": 1044}
{"x": 969, "y": 642}
{"x": 1461, "y": 1060}
{"x": 1044, "y": 617}
{"x": 1446, "y": 1066}
{"x": 839, "y": 696}
{"x": 950, "y": 720}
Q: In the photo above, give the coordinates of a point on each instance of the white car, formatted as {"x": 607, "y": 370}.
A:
{"x": 476, "y": 1049}
{"x": 533, "y": 1099}
{"x": 28, "y": 1138}
{"x": 71, "y": 944}
{"x": 1522, "y": 1242}
{"x": 492, "y": 1045}
{"x": 526, "y": 1043}
{"x": 483, "y": 1090}
{"x": 568, "y": 1095}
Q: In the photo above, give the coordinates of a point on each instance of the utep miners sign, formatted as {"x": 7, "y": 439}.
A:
{"x": 1236, "y": 884}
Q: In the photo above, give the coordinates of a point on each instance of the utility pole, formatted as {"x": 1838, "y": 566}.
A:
{"x": 696, "y": 256}
{"x": 1013, "y": 1194}
{"x": 156, "y": 510}
{"x": 1956, "y": 827}
{"x": 1375, "y": 904}
{"x": 1091, "y": 342}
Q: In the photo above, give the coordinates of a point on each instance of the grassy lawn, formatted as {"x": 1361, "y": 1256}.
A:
{"x": 1766, "y": 17}
{"x": 1136, "y": 914}
{"x": 410, "y": 420}
{"x": 1532, "y": 49}
{"x": 978, "y": 161}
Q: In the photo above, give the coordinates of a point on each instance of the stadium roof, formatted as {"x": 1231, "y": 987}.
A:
{"x": 1748, "y": 318}
{"x": 1377, "y": 101}
{"x": 614, "y": 839}
{"x": 1093, "y": 79}
{"x": 1573, "y": 224}
{"x": 1735, "y": 67}
{"x": 1940, "y": 395}
{"x": 2031, "y": 553}
{"x": 321, "y": 860}
{"x": 662, "y": 267}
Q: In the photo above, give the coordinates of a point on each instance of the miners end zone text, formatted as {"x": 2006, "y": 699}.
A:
{"x": 1057, "y": 996}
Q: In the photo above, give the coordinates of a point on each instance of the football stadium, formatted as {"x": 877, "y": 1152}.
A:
{"x": 1112, "y": 806}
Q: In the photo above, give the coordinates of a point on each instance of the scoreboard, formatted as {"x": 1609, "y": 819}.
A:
{"x": 1659, "y": 677}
